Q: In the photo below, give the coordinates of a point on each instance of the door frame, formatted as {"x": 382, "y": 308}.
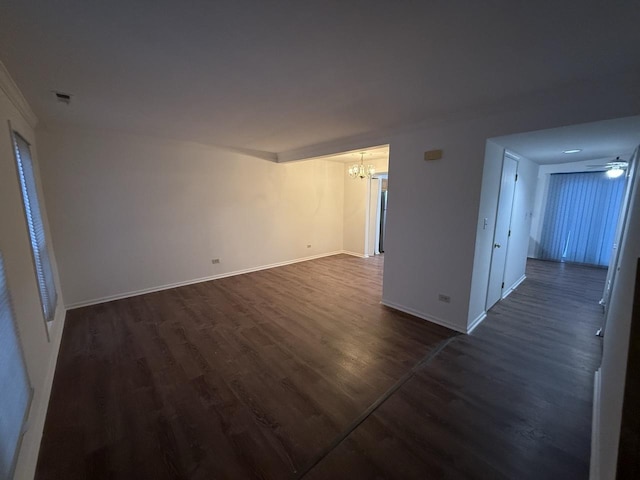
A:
{"x": 507, "y": 155}
{"x": 632, "y": 169}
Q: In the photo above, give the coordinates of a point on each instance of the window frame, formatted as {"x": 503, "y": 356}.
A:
{"x": 39, "y": 244}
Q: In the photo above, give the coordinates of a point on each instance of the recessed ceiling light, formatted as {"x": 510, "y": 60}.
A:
{"x": 575, "y": 150}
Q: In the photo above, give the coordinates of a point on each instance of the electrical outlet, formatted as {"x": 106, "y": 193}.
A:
{"x": 444, "y": 298}
{"x": 215, "y": 260}
{"x": 308, "y": 246}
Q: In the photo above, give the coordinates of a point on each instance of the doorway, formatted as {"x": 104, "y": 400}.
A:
{"x": 361, "y": 187}
{"x": 383, "y": 217}
{"x": 597, "y": 146}
{"x": 378, "y": 212}
{"x": 562, "y": 150}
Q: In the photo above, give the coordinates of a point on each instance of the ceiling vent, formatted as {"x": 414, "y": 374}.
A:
{"x": 63, "y": 97}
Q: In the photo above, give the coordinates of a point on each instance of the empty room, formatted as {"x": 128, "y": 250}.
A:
{"x": 319, "y": 240}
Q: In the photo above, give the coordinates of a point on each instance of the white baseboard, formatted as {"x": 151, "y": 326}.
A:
{"x": 594, "y": 468}
{"x": 360, "y": 255}
{"x": 514, "y": 286}
{"x": 429, "y": 318}
{"x": 119, "y": 296}
{"x": 477, "y": 321}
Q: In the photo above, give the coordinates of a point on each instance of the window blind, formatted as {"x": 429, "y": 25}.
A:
{"x": 44, "y": 273}
{"x": 15, "y": 391}
{"x": 580, "y": 217}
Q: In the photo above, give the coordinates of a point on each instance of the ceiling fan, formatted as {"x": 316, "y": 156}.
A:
{"x": 613, "y": 169}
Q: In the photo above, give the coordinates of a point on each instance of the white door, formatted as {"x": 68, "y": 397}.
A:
{"x": 501, "y": 234}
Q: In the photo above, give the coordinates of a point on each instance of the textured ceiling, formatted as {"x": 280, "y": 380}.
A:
{"x": 276, "y": 76}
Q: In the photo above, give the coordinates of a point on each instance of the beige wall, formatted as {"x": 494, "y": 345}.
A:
{"x": 355, "y": 195}
{"x": 40, "y": 350}
{"x": 133, "y": 213}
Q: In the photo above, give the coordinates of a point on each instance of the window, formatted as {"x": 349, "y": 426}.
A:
{"x": 48, "y": 295}
{"x": 580, "y": 218}
{"x": 14, "y": 384}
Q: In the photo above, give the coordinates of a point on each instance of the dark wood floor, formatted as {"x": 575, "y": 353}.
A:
{"x": 298, "y": 372}
{"x": 511, "y": 401}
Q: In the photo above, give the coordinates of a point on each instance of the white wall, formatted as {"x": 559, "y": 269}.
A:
{"x": 39, "y": 350}
{"x": 523, "y": 203}
{"x": 616, "y": 344}
{"x": 431, "y": 217}
{"x": 131, "y": 213}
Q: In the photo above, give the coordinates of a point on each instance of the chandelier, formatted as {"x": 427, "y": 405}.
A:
{"x": 359, "y": 170}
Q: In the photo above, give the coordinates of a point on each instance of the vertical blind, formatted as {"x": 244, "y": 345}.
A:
{"x": 15, "y": 391}
{"x": 580, "y": 217}
{"x": 44, "y": 273}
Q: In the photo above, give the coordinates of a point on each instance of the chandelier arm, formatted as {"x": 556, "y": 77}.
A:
{"x": 360, "y": 170}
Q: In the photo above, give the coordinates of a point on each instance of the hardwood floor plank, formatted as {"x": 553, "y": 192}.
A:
{"x": 255, "y": 376}
{"x": 511, "y": 401}
{"x": 243, "y": 377}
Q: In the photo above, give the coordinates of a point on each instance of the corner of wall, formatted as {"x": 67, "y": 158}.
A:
{"x": 476, "y": 321}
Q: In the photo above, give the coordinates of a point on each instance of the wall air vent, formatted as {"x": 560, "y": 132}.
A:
{"x": 63, "y": 97}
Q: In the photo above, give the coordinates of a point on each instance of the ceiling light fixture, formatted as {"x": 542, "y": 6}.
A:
{"x": 614, "y": 169}
{"x": 614, "y": 172}
{"x": 575, "y": 150}
{"x": 359, "y": 170}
